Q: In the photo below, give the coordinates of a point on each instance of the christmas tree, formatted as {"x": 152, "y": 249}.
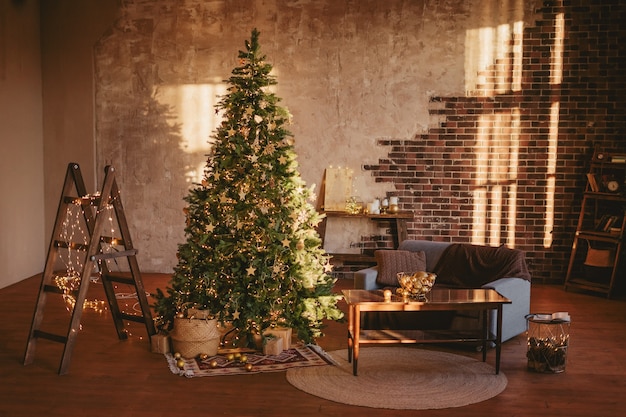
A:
{"x": 252, "y": 256}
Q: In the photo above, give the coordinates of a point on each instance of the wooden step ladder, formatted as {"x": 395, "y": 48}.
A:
{"x": 96, "y": 212}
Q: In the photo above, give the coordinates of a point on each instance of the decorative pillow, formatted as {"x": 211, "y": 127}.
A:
{"x": 390, "y": 262}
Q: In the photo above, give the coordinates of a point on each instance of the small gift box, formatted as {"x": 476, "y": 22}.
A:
{"x": 160, "y": 343}
{"x": 283, "y": 333}
{"x": 273, "y": 346}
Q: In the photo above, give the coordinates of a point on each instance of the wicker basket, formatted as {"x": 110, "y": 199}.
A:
{"x": 192, "y": 337}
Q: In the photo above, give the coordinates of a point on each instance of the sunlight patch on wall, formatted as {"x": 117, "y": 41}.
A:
{"x": 551, "y": 173}
{"x": 556, "y": 76}
{"x": 495, "y": 192}
{"x": 193, "y": 110}
{"x": 518, "y": 54}
{"x": 480, "y": 193}
{"x": 493, "y": 54}
{"x": 493, "y": 67}
{"x": 556, "y": 61}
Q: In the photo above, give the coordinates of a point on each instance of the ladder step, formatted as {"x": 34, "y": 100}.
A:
{"x": 69, "y": 199}
{"x": 133, "y": 317}
{"x": 53, "y": 288}
{"x": 57, "y": 290}
{"x": 93, "y": 200}
{"x": 70, "y": 245}
{"x": 120, "y": 279}
{"x": 50, "y": 336}
{"x": 112, "y": 240}
{"x": 111, "y": 255}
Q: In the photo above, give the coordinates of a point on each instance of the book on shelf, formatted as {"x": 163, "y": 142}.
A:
{"x": 606, "y": 223}
{"x": 612, "y": 223}
{"x": 594, "y": 184}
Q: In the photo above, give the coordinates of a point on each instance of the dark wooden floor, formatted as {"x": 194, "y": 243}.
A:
{"x": 109, "y": 377}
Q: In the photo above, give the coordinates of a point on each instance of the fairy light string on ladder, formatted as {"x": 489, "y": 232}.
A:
{"x": 74, "y": 232}
{"x": 129, "y": 302}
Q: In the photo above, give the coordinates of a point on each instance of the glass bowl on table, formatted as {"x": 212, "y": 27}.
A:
{"x": 415, "y": 285}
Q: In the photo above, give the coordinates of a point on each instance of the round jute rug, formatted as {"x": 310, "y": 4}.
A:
{"x": 401, "y": 378}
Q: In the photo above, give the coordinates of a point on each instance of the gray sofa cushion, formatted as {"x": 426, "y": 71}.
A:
{"x": 390, "y": 262}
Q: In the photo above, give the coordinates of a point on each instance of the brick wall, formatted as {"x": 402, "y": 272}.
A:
{"x": 506, "y": 163}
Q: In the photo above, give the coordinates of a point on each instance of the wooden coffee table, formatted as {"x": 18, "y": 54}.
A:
{"x": 439, "y": 299}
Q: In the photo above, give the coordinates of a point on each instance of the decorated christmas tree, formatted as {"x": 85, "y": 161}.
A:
{"x": 252, "y": 256}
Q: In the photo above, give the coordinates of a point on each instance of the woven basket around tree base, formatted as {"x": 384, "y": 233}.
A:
{"x": 192, "y": 337}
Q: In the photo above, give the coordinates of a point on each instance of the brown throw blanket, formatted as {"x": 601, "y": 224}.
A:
{"x": 472, "y": 266}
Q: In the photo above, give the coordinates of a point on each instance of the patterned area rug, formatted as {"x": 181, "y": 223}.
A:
{"x": 401, "y": 378}
{"x": 296, "y": 357}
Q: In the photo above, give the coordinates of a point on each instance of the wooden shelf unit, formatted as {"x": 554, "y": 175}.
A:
{"x": 597, "y": 250}
{"x": 397, "y": 220}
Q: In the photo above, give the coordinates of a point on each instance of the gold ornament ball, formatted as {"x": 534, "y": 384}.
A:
{"x": 248, "y": 367}
{"x": 230, "y": 357}
{"x": 203, "y": 356}
{"x": 177, "y": 355}
{"x": 213, "y": 364}
{"x": 180, "y": 363}
{"x": 243, "y": 358}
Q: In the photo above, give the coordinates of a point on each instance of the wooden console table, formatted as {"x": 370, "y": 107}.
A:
{"x": 398, "y": 222}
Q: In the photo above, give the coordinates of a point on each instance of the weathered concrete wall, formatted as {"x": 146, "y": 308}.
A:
{"x": 350, "y": 72}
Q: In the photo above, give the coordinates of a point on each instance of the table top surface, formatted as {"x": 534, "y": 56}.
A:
{"x": 438, "y": 297}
